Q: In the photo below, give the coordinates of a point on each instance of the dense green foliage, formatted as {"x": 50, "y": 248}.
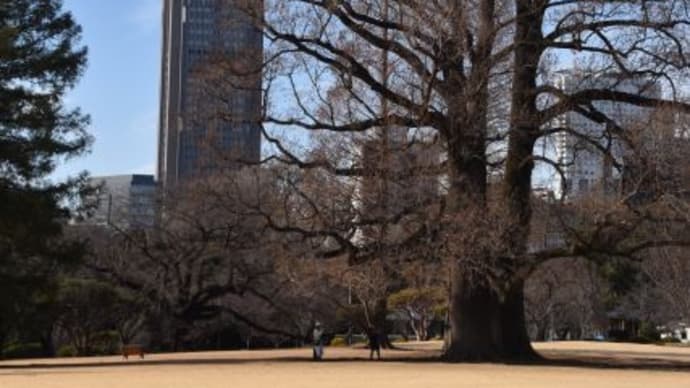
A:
{"x": 40, "y": 60}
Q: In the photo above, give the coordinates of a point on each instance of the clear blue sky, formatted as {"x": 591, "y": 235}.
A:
{"x": 120, "y": 87}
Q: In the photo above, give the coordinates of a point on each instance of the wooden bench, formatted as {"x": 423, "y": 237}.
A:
{"x": 132, "y": 350}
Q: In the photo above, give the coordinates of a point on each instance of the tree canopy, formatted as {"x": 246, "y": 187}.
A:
{"x": 41, "y": 58}
{"x": 480, "y": 79}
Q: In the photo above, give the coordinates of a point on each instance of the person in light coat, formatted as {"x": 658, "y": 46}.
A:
{"x": 318, "y": 341}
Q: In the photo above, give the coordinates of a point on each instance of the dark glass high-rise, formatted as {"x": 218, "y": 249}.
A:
{"x": 210, "y": 96}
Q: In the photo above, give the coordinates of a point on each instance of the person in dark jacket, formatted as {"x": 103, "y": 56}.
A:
{"x": 374, "y": 343}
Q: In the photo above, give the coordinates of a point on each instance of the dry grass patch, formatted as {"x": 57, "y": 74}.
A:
{"x": 344, "y": 367}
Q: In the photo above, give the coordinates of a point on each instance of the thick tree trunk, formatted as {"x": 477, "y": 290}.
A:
{"x": 486, "y": 326}
{"x": 516, "y": 343}
{"x": 475, "y": 321}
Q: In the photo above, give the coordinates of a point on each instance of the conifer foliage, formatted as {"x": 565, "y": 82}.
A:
{"x": 41, "y": 58}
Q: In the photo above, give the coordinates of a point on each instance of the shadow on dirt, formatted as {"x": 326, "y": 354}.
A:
{"x": 651, "y": 361}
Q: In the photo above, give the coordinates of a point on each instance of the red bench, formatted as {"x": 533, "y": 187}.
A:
{"x": 132, "y": 350}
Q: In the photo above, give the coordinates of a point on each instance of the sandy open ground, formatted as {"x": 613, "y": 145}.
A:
{"x": 575, "y": 364}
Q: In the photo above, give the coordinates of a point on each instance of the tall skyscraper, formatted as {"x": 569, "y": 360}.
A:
{"x": 210, "y": 97}
{"x": 579, "y": 150}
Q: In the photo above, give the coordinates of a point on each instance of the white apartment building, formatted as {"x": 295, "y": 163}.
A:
{"x": 588, "y": 152}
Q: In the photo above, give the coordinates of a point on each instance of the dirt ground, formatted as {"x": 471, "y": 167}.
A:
{"x": 571, "y": 364}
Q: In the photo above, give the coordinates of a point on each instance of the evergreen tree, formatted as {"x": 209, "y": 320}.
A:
{"x": 41, "y": 58}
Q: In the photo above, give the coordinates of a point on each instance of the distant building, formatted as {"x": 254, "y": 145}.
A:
{"x": 679, "y": 331}
{"x": 210, "y": 97}
{"x": 125, "y": 201}
{"x": 578, "y": 151}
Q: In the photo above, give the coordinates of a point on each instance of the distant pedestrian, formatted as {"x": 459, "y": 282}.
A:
{"x": 318, "y": 341}
{"x": 374, "y": 343}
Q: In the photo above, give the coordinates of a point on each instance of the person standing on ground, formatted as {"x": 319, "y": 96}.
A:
{"x": 374, "y": 343}
{"x": 318, "y": 341}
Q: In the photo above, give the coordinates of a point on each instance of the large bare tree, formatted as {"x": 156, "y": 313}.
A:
{"x": 209, "y": 255}
{"x": 473, "y": 77}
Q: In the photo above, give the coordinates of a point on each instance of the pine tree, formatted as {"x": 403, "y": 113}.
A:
{"x": 41, "y": 58}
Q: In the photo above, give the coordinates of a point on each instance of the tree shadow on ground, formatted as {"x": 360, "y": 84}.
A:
{"x": 618, "y": 360}
{"x": 621, "y": 360}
